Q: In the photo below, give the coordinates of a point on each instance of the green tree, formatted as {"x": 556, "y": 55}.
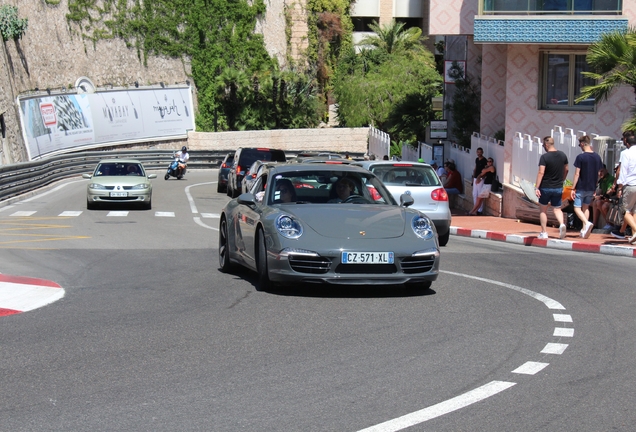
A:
{"x": 613, "y": 60}
{"x": 389, "y": 86}
{"x": 465, "y": 106}
{"x": 392, "y": 38}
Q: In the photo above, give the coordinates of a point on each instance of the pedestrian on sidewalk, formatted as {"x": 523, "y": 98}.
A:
{"x": 587, "y": 164}
{"x": 622, "y": 231}
{"x": 627, "y": 185}
{"x": 485, "y": 178}
{"x": 480, "y": 164}
{"x": 553, "y": 169}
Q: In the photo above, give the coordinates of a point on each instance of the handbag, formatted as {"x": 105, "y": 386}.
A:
{"x": 615, "y": 215}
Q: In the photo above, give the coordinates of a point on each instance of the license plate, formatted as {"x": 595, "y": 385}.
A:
{"x": 367, "y": 257}
{"x": 119, "y": 194}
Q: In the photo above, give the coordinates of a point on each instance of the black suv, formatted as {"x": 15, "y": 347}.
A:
{"x": 243, "y": 159}
{"x": 224, "y": 169}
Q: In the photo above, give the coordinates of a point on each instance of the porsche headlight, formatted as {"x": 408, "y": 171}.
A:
{"x": 96, "y": 186}
{"x": 423, "y": 227}
{"x": 289, "y": 227}
{"x": 140, "y": 186}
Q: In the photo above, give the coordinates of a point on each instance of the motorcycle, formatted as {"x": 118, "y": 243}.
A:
{"x": 175, "y": 169}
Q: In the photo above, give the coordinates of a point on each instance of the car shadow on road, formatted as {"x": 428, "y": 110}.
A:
{"x": 350, "y": 291}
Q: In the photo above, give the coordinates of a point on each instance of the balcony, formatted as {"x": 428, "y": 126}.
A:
{"x": 551, "y": 7}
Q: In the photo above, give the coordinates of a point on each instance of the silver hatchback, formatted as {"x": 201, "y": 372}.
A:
{"x": 421, "y": 182}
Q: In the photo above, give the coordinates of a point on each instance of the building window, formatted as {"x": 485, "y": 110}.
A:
{"x": 361, "y": 24}
{"x": 410, "y": 22}
{"x": 561, "y": 82}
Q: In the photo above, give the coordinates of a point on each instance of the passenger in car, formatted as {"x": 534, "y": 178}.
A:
{"x": 285, "y": 191}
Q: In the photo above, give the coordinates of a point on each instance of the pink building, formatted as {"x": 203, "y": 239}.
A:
{"x": 529, "y": 54}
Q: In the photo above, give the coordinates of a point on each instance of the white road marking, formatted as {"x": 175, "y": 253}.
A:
{"x": 23, "y": 213}
{"x": 563, "y": 332}
{"x": 530, "y": 368}
{"x": 461, "y": 401}
{"x": 70, "y": 213}
{"x": 6, "y": 208}
{"x": 164, "y": 214}
{"x": 117, "y": 213}
{"x": 551, "y": 304}
{"x": 562, "y": 318}
{"x": 25, "y": 297}
{"x": 193, "y": 207}
{"x": 554, "y": 348}
{"x": 210, "y": 215}
{"x": 197, "y": 220}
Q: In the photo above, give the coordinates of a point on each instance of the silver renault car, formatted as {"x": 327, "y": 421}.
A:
{"x": 421, "y": 182}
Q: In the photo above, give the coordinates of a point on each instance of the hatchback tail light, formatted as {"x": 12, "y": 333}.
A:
{"x": 224, "y": 165}
{"x": 238, "y": 169}
{"x": 439, "y": 195}
{"x": 374, "y": 193}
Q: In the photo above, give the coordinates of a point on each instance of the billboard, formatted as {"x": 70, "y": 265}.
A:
{"x": 64, "y": 122}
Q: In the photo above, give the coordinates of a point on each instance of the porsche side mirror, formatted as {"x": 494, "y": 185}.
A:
{"x": 406, "y": 200}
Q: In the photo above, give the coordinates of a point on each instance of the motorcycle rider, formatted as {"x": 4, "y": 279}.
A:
{"x": 183, "y": 157}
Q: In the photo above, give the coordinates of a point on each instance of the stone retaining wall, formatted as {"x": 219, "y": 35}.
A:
{"x": 352, "y": 140}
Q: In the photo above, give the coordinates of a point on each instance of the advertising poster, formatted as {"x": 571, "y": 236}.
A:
{"x": 61, "y": 122}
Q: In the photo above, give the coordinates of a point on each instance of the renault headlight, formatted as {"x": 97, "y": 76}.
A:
{"x": 423, "y": 227}
{"x": 289, "y": 227}
{"x": 140, "y": 186}
{"x": 96, "y": 186}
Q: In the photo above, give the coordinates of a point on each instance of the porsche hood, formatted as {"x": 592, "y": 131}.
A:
{"x": 373, "y": 222}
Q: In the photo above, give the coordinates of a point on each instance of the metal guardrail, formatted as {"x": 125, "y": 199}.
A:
{"x": 22, "y": 177}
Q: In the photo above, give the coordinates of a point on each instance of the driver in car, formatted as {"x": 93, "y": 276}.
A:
{"x": 344, "y": 188}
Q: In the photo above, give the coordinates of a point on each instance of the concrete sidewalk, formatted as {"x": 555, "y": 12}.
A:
{"x": 525, "y": 233}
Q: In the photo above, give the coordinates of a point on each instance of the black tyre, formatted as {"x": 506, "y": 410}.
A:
{"x": 443, "y": 239}
{"x": 148, "y": 205}
{"x": 166, "y": 177}
{"x": 224, "y": 252}
{"x": 219, "y": 189}
{"x": 261, "y": 262}
{"x": 91, "y": 205}
{"x": 228, "y": 190}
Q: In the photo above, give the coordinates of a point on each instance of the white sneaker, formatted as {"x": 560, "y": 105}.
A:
{"x": 562, "y": 230}
{"x": 587, "y": 231}
{"x": 632, "y": 239}
{"x": 543, "y": 235}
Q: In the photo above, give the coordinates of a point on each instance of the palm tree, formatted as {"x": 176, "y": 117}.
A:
{"x": 613, "y": 60}
{"x": 393, "y": 38}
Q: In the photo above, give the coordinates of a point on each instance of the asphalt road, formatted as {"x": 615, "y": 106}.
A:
{"x": 150, "y": 336}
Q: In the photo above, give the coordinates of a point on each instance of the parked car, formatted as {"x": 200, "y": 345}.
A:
{"x": 421, "y": 182}
{"x": 243, "y": 159}
{"x": 298, "y": 233}
{"x": 119, "y": 181}
{"x": 224, "y": 169}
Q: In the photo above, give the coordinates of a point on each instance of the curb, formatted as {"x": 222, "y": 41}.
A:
{"x": 21, "y": 294}
{"x": 545, "y": 243}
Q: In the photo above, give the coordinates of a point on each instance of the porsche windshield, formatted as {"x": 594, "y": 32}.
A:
{"x": 317, "y": 187}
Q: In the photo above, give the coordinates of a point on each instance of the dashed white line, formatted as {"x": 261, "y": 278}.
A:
{"x": 554, "y": 348}
{"x": 562, "y": 318}
{"x": 210, "y": 215}
{"x": 70, "y": 213}
{"x": 23, "y": 213}
{"x": 164, "y": 214}
{"x": 530, "y": 368}
{"x": 461, "y": 401}
{"x": 117, "y": 213}
{"x": 563, "y": 332}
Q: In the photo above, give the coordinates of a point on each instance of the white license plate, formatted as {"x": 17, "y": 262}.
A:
{"x": 119, "y": 194}
{"x": 367, "y": 257}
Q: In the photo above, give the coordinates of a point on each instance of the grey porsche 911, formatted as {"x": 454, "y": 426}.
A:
{"x": 324, "y": 223}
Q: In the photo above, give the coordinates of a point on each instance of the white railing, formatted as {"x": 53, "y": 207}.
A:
{"x": 422, "y": 151}
{"x": 527, "y": 150}
{"x": 379, "y": 143}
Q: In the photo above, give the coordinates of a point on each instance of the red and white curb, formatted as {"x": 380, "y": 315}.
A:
{"x": 21, "y": 294}
{"x": 546, "y": 243}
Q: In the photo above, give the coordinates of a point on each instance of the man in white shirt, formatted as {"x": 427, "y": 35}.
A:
{"x": 183, "y": 156}
{"x": 627, "y": 185}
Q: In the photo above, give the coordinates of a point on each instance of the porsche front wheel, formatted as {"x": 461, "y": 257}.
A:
{"x": 224, "y": 251}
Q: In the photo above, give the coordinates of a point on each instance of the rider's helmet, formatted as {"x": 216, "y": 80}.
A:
{"x": 184, "y": 149}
